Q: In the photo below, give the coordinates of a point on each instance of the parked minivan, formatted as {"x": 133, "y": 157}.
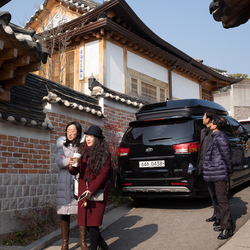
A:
{"x": 158, "y": 153}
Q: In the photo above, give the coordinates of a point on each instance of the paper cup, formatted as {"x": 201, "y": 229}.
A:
{"x": 76, "y": 157}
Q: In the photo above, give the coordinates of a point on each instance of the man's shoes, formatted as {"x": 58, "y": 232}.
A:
{"x": 216, "y": 223}
{"x": 213, "y": 218}
{"x": 225, "y": 234}
{"x": 217, "y": 229}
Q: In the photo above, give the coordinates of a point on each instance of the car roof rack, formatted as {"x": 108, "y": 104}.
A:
{"x": 184, "y": 107}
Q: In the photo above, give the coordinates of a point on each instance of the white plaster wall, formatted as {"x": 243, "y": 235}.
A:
{"x": 225, "y": 100}
{"x": 77, "y": 114}
{"x": 146, "y": 67}
{"x": 121, "y": 106}
{"x": 114, "y": 62}
{"x": 91, "y": 64}
{"x": 183, "y": 88}
{"x": 241, "y": 95}
{"x": 23, "y": 131}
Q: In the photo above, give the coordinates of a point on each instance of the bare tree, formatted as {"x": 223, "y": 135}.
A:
{"x": 57, "y": 40}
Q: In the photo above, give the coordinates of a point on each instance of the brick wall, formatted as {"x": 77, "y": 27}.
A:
{"x": 117, "y": 117}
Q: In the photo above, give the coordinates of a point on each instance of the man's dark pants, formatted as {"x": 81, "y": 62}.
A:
{"x": 222, "y": 197}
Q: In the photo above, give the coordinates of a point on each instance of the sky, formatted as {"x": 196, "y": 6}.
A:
{"x": 185, "y": 24}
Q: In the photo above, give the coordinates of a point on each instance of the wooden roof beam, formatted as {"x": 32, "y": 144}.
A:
{"x": 1, "y": 44}
{"x": 6, "y": 74}
{"x": 21, "y": 61}
{"x": 19, "y": 80}
{"x": 86, "y": 37}
{"x": 135, "y": 46}
{"x": 110, "y": 14}
{"x": 31, "y": 67}
{"x": 4, "y": 95}
{"x": 8, "y": 54}
{"x": 123, "y": 40}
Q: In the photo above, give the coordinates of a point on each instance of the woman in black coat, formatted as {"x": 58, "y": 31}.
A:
{"x": 94, "y": 167}
{"x": 217, "y": 168}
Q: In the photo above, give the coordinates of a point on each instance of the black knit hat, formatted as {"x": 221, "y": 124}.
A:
{"x": 95, "y": 131}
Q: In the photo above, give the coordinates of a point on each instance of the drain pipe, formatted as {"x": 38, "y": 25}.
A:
{"x": 170, "y": 82}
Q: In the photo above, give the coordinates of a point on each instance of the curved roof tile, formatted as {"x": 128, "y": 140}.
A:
{"x": 21, "y": 38}
{"x": 25, "y": 107}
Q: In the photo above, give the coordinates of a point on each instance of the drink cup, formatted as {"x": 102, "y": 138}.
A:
{"x": 76, "y": 157}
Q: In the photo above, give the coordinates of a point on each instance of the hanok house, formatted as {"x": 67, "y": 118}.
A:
{"x": 105, "y": 63}
{"x": 111, "y": 43}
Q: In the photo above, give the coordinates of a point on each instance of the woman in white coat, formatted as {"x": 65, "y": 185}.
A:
{"x": 66, "y": 203}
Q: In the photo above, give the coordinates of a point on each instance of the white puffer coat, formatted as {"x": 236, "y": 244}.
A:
{"x": 66, "y": 204}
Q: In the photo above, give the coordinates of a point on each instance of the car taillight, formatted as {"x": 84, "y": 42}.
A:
{"x": 184, "y": 148}
{"x": 126, "y": 184}
{"x": 179, "y": 184}
{"x": 122, "y": 151}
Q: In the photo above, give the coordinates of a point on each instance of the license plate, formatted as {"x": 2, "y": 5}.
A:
{"x": 151, "y": 164}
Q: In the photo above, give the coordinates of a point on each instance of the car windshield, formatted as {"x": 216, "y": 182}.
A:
{"x": 157, "y": 132}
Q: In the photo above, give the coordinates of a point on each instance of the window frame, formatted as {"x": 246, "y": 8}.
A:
{"x": 142, "y": 78}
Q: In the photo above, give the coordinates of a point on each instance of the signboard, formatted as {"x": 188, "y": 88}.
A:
{"x": 81, "y": 58}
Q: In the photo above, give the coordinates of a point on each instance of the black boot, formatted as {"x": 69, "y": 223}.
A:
{"x": 103, "y": 245}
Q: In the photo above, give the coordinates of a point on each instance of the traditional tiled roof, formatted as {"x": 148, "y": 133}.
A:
{"x": 102, "y": 91}
{"x": 121, "y": 23}
{"x": 3, "y": 2}
{"x": 80, "y": 5}
{"x": 22, "y": 39}
{"x": 230, "y": 12}
{"x": 25, "y": 106}
{"x": 20, "y": 54}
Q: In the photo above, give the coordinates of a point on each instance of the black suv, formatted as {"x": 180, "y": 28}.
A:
{"x": 158, "y": 153}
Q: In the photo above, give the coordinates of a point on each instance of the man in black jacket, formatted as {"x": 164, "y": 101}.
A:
{"x": 204, "y": 142}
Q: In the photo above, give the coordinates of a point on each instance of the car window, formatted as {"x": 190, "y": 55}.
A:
{"x": 234, "y": 128}
{"x": 198, "y": 127}
{"x": 157, "y": 132}
{"x": 246, "y": 125}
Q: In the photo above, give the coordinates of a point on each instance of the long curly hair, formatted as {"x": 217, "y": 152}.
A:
{"x": 99, "y": 154}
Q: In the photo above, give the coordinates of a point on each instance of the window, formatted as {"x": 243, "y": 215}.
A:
{"x": 163, "y": 132}
{"x": 146, "y": 87}
{"x": 148, "y": 91}
{"x": 134, "y": 88}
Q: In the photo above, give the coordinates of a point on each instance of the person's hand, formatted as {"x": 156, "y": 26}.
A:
{"x": 89, "y": 194}
{"x": 71, "y": 162}
{"x": 63, "y": 157}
